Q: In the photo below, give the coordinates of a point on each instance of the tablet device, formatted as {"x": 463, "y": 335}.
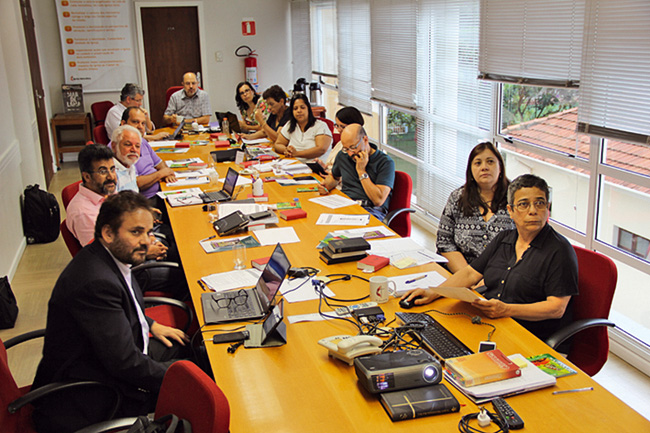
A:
{"x": 317, "y": 168}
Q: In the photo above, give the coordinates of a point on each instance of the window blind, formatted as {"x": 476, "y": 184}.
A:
{"x": 300, "y": 39}
{"x": 324, "y": 37}
{"x": 353, "y": 17}
{"x": 394, "y": 35}
{"x": 537, "y": 42}
{"x": 615, "y": 82}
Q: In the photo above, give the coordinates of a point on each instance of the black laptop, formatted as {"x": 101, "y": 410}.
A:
{"x": 228, "y": 190}
{"x": 178, "y": 133}
{"x": 233, "y": 122}
{"x": 248, "y": 304}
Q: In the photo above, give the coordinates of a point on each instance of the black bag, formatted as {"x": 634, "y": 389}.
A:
{"x": 145, "y": 425}
{"x": 41, "y": 216}
{"x": 8, "y": 305}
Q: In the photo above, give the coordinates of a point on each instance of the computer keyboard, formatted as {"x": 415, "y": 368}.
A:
{"x": 434, "y": 336}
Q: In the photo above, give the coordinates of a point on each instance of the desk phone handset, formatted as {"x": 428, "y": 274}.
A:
{"x": 348, "y": 347}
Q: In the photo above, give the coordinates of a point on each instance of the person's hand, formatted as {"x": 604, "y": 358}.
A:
{"x": 157, "y": 251}
{"x": 167, "y": 173}
{"x": 174, "y": 119}
{"x": 425, "y": 296}
{"x": 159, "y": 136}
{"x": 259, "y": 116}
{"x": 157, "y": 219}
{"x": 166, "y": 333}
{"x": 290, "y": 152}
{"x": 492, "y": 308}
{"x": 322, "y": 190}
{"x": 361, "y": 158}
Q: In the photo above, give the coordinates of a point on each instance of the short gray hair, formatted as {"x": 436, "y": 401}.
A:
{"x": 526, "y": 181}
{"x": 118, "y": 133}
{"x": 130, "y": 89}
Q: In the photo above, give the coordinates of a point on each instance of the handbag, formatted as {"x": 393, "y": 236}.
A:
{"x": 8, "y": 305}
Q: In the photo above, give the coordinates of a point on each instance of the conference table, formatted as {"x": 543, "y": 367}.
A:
{"x": 297, "y": 387}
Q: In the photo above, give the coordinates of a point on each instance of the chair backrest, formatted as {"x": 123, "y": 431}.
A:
{"x": 69, "y": 192}
{"x": 189, "y": 393}
{"x": 99, "y": 110}
{"x": 335, "y": 137}
{"x": 100, "y": 135}
{"x": 74, "y": 246}
{"x": 169, "y": 92}
{"x": 9, "y": 391}
{"x": 597, "y": 276}
{"x": 401, "y": 199}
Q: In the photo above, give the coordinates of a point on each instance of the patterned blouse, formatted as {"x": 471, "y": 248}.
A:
{"x": 250, "y": 120}
{"x": 469, "y": 235}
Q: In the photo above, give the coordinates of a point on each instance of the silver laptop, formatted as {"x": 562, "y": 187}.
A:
{"x": 248, "y": 304}
{"x": 228, "y": 190}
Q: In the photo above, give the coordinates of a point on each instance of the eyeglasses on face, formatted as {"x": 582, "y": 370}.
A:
{"x": 239, "y": 299}
{"x": 351, "y": 148}
{"x": 339, "y": 126}
{"x": 523, "y": 206}
{"x": 104, "y": 171}
{"x": 243, "y": 92}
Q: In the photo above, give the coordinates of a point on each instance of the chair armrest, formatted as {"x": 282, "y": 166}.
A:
{"x": 157, "y": 300}
{"x": 53, "y": 388}
{"x": 390, "y": 216}
{"x": 108, "y": 426}
{"x": 24, "y": 337}
{"x": 561, "y": 335}
{"x": 154, "y": 264}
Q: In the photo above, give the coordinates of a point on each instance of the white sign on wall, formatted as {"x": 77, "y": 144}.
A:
{"x": 97, "y": 43}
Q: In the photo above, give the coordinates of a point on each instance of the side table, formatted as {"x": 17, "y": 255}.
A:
{"x": 69, "y": 121}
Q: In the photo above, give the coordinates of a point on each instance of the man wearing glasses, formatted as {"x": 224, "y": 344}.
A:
{"x": 530, "y": 273}
{"x": 190, "y": 104}
{"x": 367, "y": 174}
{"x": 131, "y": 95}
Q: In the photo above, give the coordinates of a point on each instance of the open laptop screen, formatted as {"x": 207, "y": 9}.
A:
{"x": 230, "y": 181}
{"x": 272, "y": 276}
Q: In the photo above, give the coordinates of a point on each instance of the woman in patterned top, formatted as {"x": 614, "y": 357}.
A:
{"x": 476, "y": 212}
{"x": 249, "y": 101}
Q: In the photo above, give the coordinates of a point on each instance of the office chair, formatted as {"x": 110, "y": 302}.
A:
{"x": 16, "y": 403}
{"x": 99, "y": 110}
{"x": 169, "y": 92}
{"x": 398, "y": 217}
{"x": 330, "y": 125}
{"x": 68, "y": 192}
{"x": 100, "y": 135}
{"x": 70, "y": 241}
{"x": 597, "y": 277}
{"x": 188, "y": 393}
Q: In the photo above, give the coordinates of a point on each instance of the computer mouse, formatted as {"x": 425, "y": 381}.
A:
{"x": 408, "y": 303}
{"x": 231, "y": 141}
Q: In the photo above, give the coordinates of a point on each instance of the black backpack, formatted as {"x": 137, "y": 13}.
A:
{"x": 41, "y": 216}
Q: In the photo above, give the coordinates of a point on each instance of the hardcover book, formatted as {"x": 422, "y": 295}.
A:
{"x": 73, "y": 98}
{"x": 292, "y": 214}
{"x": 482, "y": 367}
{"x": 373, "y": 263}
{"x": 333, "y": 260}
{"x": 346, "y": 245}
{"x": 419, "y": 402}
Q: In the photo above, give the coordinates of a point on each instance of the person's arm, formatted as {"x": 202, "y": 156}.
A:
{"x": 166, "y": 333}
{"x": 254, "y": 135}
{"x": 456, "y": 260}
{"x": 112, "y": 121}
{"x": 280, "y": 145}
{"x": 466, "y": 277}
{"x": 149, "y": 126}
{"x": 376, "y": 193}
{"x": 328, "y": 184}
{"x": 169, "y": 120}
{"x": 551, "y": 308}
{"x": 203, "y": 120}
{"x": 155, "y": 137}
{"x": 323, "y": 142}
{"x": 82, "y": 226}
{"x": 169, "y": 116}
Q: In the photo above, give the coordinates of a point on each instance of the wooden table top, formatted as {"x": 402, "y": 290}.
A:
{"x": 298, "y": 388}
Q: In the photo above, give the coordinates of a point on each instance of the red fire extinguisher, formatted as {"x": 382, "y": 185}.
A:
{"x": 250, "y": 65}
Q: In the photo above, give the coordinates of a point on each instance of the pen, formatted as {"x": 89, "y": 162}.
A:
{"x": 208, "y": 238}
{"x": 416, "y": 279}
{"x": 566, "y": 391}
{"x": 201, "y": 284}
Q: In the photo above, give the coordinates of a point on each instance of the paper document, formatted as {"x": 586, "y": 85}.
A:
{"x": 331, "y": 219}
{"x": 163, "y": 143}
{"x": 282, "y": 235}
{"x": 232, "y": 279}
{"x": 172, "y": 149}
{"x": 421, "y": 280}
{"x": 225, "y": 209}
{"x": 301, "y": 289}
{"x": 460, "y": 293}
{"x": 366, "y": 232}
{"x": 179, "y": 193}
{"x": 189, "y": 180}
{"x": 241, "y": 181}
{"x": 194, "y": 173}
{"x": 404, "y": 252}
{"x": 255, "y": 141}
{"x": 215, "y": 245}
{"x": 312, "y": 317}
{"x": 333, "y": 201}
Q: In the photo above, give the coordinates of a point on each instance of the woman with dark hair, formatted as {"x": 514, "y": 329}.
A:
{"x": 304, "y": 137}
{"x": 276, "y": 102}
{"x": 476, "y": 212}
{"x": 248, "y": 102}
{"x": 344, "y": 117}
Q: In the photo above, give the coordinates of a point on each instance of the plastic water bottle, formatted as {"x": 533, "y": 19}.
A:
{"x": 225, "y": 127}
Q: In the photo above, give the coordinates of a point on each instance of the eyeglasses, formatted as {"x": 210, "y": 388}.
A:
{"x": 239, "y": 299}
{"x": 523, "y": 206}
{"x": 243, "y": 92}
{"x": 104, "y": 171}
{"x": 351, "y": 148}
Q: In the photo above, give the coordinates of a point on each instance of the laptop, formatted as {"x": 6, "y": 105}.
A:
{"x": 248, "y": 304}
{"x": 233, "y": 122}
{"x": 228, "y": 190}
{"x": 178, "y": 133}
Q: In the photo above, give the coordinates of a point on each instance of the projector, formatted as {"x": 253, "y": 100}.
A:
{"x": 392, "y": 371}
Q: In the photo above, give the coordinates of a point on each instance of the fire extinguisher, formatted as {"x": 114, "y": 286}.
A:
{"x": 250, "y": 65}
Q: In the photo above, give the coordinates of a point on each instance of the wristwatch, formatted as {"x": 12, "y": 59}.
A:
{"x": 363, "y": 176}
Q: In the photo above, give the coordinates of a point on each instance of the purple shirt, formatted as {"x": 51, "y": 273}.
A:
{"x": 147, "y": 165}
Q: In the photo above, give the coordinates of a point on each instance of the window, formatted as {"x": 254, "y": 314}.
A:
{"x": 637, "y": 245}
{"x": 324, "y": 55}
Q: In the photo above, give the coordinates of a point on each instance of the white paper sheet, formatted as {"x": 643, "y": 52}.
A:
{"x": 332, "y": 219}
{"x": 255, "y": 141}
{"x": 163, "y": 143}
{"x": 404, "y": 252}
{"x": 282, "y": 235}
{"x": 358, "y": 233}
{"x": 245, "y": 208}
{"x": 333, "y": 201}
{"x": 232, "y": 279}
{"x": 190, "y": 180}
{"x": 432, "y": 279}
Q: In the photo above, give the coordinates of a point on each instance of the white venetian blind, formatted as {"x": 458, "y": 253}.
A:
{"x": 615, "y": 82}
{"x": 353, "y": 18}
{"x": 537, "y": 42}
{"x": 300, "y": 39}
{"x": 323, "y": 37}
{"x": 394, "y": 33}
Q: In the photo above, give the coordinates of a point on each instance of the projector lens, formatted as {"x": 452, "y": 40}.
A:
{"x": 430, "y": 373}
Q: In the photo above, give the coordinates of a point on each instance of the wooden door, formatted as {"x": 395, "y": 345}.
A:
{"x": 37, "y": 88}
{"x": 171, "y": 48}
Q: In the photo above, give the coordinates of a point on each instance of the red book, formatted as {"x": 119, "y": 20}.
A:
{"x": 223, "y": 143}
{"x": 259, "y": 198}
{"x": 182, "y": 145}
{"x": 372, "y": 263}
{"x": 292, "y": 214}
{"x": 218, "y": 135}
{"x": 197, "y": 165}
{"x": 482, "y": 367}
{"x": 260, "y": 263}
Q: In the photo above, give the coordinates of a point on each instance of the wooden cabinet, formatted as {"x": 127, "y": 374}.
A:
{"x": 66, "y": 122}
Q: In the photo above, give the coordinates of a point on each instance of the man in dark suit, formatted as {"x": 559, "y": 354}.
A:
{"x": 96, "y": 327}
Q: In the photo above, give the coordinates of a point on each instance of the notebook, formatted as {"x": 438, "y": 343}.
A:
{"x": 248, "y": 304}
{"x": 228, "y": 190}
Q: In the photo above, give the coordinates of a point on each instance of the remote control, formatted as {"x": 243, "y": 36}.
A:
{"x": 346, "y": 311}
{"x": 507, "y": 414}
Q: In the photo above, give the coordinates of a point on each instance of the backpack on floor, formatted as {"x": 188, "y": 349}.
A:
{"x": 41, "y": 216}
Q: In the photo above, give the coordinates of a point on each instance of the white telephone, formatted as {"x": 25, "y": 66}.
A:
{"x": 348, "y": 347}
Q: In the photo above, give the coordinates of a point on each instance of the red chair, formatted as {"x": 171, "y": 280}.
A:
{"x": 597, "y": 276}
{"x": 99, "y": 110}
{"x": 70, "y": 241}
{"x": 100, "y": 135}
{"x": 398, "y": 217}
{"x": 188, "y": 393}
{"x": 169, "y": 92}
{"x": 68, "y": 192}
{"x": 335, "y": 137}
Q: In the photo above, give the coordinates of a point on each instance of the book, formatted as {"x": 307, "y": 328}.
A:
{"x": 551, "y": 365}
{"x": 351, "y": 244}
{"x": 259, "y": 198}
{"x": 73, "y": 98}
{"x": 221, "y": 143}
{"x": 332, "y": 261}
{"x": 327, "y": 250}
{"x": 260, "y": 263}
{"x": 373, "y": 263}
{"x": 419, "y": 402}
{"x": 292, "y": 214}
{"x": 288, "y": 205}
{"x": 482, "y": 367}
